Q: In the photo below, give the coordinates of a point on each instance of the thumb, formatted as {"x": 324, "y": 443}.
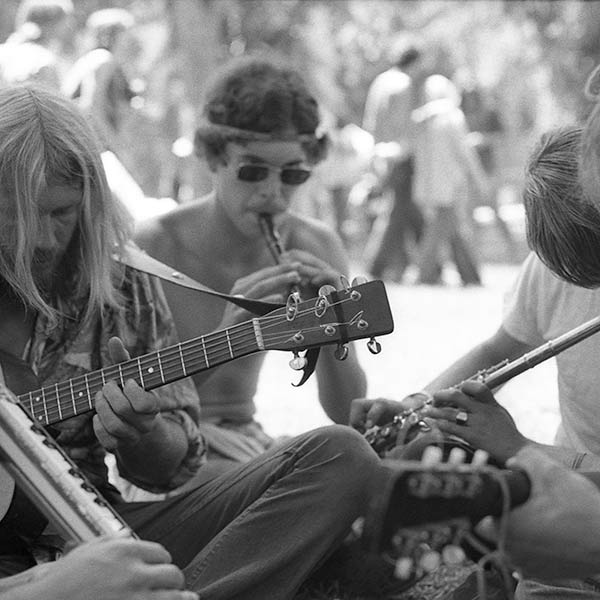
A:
{"x": 117, "y": 351}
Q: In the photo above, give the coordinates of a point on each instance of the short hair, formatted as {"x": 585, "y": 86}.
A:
{"x": 259, "y": 95}
{"x": 563, "y": 225}
{"x": 107, "y": 24}
{"x": 45, "y": 140}
{"x": 42, "y": 12}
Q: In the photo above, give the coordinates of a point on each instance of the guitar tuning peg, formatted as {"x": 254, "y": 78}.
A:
{"x": 432, "y": 455}
{"x": 453, "y": 555}
{"x": 341, "y": 352}
{"x": 325, "y": 290}
{"x": 298, "y": 362}
{"x": 345, "y": 283}
{"x": 374, "y": 346}
{"x": 430, "y": 561}
{"x": 480, "y": 458}
{"x": 403, "y": 568}
{"x": 457, "y": 456}
{"x": 359, "y": 280}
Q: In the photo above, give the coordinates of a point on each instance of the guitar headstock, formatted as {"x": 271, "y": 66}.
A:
{"x": 354, "y": 313}
{"x": 421, "y": 511}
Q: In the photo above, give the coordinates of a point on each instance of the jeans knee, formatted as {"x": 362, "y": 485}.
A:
{"x": 348, "y": 446}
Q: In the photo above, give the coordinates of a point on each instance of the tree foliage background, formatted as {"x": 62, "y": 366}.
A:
{"x": 530, "y": 58}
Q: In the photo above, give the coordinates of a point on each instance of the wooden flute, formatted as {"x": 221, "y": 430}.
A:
{"x": 384, "y": 437}
{"x": 273, "y": 240}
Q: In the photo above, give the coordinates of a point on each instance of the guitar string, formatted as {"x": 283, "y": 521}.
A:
{"x": 81, "y": 386}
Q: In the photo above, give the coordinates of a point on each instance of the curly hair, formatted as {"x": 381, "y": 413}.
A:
{"x": 44, "y": 140}
{"x": 563, "y": 225}
{"x": 261, "y": 95}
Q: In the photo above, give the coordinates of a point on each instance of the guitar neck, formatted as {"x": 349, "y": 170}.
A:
{"x": 60, "y": 401}
{"x": 340, "y": 317}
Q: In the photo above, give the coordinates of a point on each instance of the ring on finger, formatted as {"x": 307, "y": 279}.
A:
{"x": 461, "y": 418}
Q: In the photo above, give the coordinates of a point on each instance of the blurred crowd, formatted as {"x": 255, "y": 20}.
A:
{"x": 401, "y": 188}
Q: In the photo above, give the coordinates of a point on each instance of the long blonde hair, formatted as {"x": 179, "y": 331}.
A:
{"x": 44, "y": 140}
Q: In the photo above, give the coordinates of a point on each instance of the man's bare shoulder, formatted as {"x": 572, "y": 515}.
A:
{"x": 308, "y": 233}
{"x": 164, "y": 235}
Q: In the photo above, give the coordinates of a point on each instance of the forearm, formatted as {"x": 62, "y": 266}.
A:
{"x": 480, "y": 357}
{"x": 489, "y": 353}
{"x": 157, "y": 455}
{"x": 28, "y": 584}
{"x": 570, "y": 458}
{"x": 339, "y": 382}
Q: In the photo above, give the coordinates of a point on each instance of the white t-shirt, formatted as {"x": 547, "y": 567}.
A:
{"x": 540, "y": 307}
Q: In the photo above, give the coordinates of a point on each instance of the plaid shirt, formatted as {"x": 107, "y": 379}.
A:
{"x": 67, "y": 351}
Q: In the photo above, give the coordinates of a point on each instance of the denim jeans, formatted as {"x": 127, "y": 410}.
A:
{"x": 568, "y": 589}
{"x": 259, "y": 530}
{"x": 443, "y": 233}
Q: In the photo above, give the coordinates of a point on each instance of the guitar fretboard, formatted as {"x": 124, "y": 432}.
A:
{"x": 60, "y": 401}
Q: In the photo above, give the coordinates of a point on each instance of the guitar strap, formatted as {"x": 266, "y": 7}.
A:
{"x": 135, "y": 257}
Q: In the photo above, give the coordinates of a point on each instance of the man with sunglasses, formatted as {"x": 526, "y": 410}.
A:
{"x": 260, "y": 142}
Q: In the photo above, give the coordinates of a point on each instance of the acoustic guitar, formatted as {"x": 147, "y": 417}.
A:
{"x": 423, "y": 514}
{"x": 358, "y": 312}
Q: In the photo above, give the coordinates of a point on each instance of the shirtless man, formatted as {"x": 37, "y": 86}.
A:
{"x": 260, "y": 142}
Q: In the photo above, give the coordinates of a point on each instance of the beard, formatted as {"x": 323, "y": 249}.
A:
{"x": 50, "y": 274}
{"x": 46, "y": 272}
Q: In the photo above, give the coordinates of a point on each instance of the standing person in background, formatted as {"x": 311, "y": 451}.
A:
{"x": 97, "y": 81}
{"x": 260, "y": 140}
{"x": 33, "y": 52}
{"x": 445, "y": 161}
{"x": 392, "y": 97}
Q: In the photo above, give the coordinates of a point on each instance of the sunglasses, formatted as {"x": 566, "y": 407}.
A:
{"x": 288, "y": 175}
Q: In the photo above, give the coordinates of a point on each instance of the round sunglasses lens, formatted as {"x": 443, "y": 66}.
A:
{"x": 294, "y": 176}
{"x": 252, "y": 173}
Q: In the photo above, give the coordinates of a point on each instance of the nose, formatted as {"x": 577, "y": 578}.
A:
{"x": 272, "y": 193}
{"x": 46, "y": 235}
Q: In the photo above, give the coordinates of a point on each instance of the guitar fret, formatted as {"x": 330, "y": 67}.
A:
{"x": 182, "y": 361}
{"x": 58, "y": 402}
{"x": 30, "y": 400}
{"x": 44, "y": 404}
{"x": 121, "y": 375}
{"x": 87, "y": 387}
{"x": 72, "y": 396}
{"x": 205, "y": 354}
{"x": 139, "y": 364}
{"x": 229, "y": 343}
{"x": 162, "y": 376}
